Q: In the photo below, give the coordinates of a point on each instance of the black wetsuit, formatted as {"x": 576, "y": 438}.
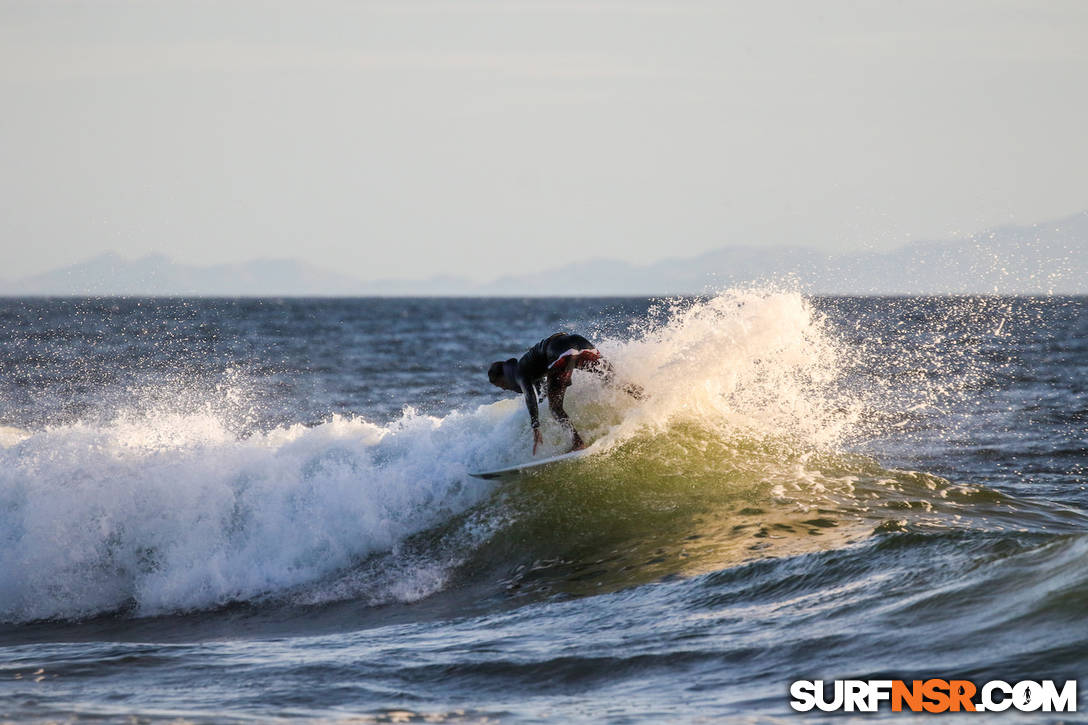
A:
{"x": 530, "y": 372}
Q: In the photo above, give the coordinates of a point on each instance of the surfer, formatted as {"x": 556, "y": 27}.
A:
{"x": 549, "y": 364}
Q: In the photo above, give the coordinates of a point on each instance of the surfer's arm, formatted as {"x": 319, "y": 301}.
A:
{"x": 531, "y": 404}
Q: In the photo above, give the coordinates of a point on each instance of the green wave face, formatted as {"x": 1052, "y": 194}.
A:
{"x": 689, "y": 501}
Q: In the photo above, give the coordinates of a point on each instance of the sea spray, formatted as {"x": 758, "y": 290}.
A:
{"x": 755, "y": 361}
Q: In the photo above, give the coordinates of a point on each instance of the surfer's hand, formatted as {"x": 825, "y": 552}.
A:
{"x": 538, "y": 438}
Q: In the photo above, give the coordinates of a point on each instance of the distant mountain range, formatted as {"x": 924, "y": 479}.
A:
{"x": 1047, "y": 258}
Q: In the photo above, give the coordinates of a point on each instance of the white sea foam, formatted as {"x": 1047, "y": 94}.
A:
{"x": 9, "y": 436}
{"x": 174, "y": 512}
{"x": 751, "y": 362}
{"x": 166, "y": 511}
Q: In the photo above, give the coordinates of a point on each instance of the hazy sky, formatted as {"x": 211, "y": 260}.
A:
{"x": 407, "y": 139}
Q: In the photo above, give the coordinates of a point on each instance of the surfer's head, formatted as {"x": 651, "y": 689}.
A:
{"x": 497, "y": 374}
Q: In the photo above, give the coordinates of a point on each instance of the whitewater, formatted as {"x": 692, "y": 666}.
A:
{"x": 807, "y": 484}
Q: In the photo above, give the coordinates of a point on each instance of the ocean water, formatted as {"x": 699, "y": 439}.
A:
{"x": 216, "y": 510}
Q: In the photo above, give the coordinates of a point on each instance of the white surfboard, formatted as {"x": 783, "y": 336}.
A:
{"x": 512, "y": 471}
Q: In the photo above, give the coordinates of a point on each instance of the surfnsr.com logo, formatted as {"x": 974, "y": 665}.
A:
{"x": 934, "y": 695}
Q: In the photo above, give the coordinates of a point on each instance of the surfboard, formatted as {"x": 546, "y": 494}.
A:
{"x": 512, "y": 471}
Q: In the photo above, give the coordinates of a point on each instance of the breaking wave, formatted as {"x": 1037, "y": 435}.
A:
{"x": 733, "y": 454}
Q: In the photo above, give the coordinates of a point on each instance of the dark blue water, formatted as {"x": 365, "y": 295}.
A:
{"x": 239, "y": 509}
